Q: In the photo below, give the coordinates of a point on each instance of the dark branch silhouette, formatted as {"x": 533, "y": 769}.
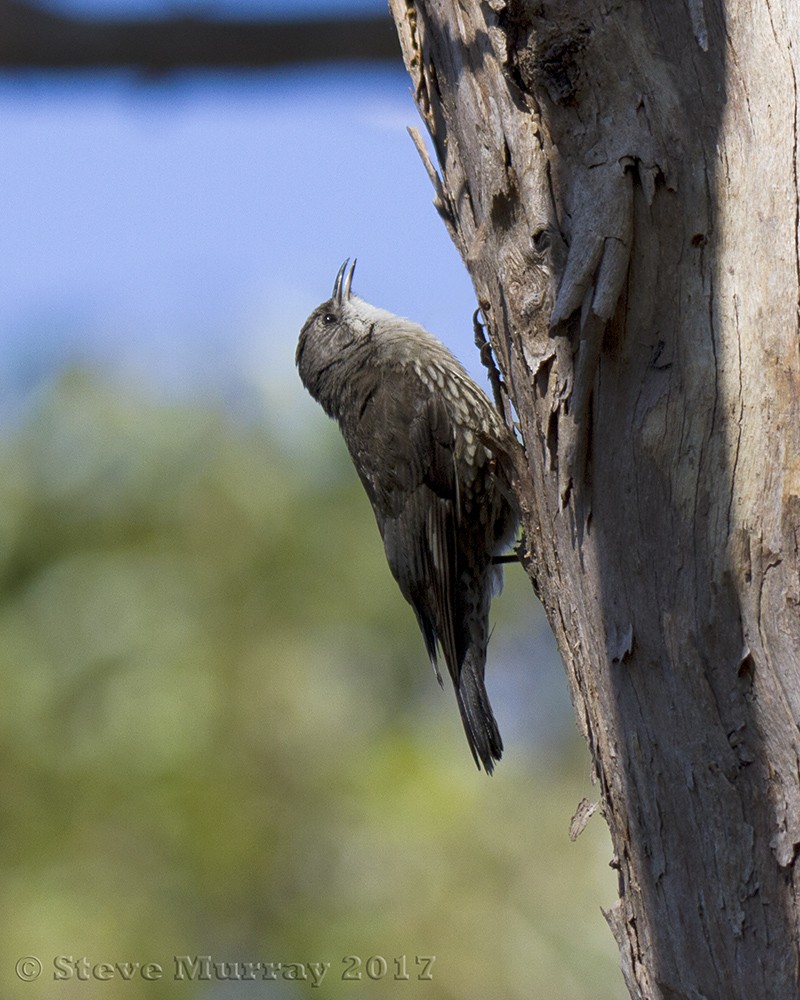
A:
{"x": 34, "y": 38}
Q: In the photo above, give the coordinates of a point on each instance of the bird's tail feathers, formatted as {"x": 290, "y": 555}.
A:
{"x": 483, "y": 734}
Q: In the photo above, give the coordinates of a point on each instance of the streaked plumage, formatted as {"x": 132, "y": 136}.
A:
{"x": 434, "y": 457}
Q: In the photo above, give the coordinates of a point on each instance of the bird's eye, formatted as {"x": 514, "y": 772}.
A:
{"x": 328, "y": 318}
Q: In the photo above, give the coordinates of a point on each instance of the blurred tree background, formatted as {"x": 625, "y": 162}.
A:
{"x": 221, "y": 736}
{"x": 220, "y": 732}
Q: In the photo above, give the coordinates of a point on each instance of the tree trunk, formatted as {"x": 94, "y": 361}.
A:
{"x": 621, "y": 181}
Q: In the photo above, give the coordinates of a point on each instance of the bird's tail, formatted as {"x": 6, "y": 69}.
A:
{"x": 480, "y": 725}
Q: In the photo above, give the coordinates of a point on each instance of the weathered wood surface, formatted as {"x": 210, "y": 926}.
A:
{"x": 621, "y": 181}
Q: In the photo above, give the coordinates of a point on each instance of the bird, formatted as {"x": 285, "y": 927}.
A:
{"x": 435, "y": 458}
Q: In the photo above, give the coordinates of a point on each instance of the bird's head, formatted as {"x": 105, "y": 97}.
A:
{"x": 332, "y": 335}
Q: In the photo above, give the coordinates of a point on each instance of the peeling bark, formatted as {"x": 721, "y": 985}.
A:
{"x": 621, "y": 181}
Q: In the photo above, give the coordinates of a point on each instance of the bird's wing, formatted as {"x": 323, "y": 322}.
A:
{"x": 405, "y": 448}
{"x": 405, "y": 452}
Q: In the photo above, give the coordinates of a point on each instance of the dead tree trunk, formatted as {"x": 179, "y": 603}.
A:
{"x": 621, "y": 181}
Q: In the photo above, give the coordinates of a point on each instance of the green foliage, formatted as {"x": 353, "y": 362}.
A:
{"x": 219, "y": 734}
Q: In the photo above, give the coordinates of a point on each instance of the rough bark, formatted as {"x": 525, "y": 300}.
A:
{"x": 621, "y": 181}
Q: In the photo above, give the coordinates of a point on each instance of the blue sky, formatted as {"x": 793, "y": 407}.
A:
{"x": 177, "y": 233}
{"x": 180, "y": 231}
